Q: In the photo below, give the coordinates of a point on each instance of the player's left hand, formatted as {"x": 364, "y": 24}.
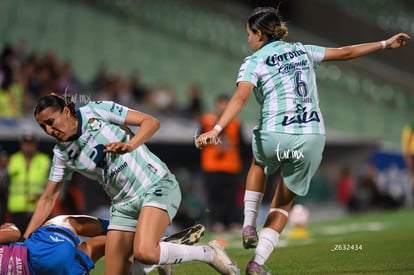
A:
{"x": 210, "y": 137}
{"x": 117, "y": 148}
{"x": 397, "y": 41}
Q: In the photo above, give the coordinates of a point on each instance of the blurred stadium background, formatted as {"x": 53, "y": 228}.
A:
{"x": 168, "y": 58}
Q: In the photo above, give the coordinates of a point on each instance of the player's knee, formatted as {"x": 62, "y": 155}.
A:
{"x": 146, "y": 254}
{"x": 87, "y": 249}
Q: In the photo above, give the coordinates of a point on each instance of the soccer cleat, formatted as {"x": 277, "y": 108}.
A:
{"x": 255, "y": 269}
{"x": 222, "y": 262}
{"x": 249, "y": 236}
{"x": 188, "y": 236}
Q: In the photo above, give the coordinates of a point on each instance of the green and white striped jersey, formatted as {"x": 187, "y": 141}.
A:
{"x": 123, "y": 177}
{"x": 285, "y": 86}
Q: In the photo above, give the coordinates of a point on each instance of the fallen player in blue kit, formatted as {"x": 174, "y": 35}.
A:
{"x": 55, "y": 247}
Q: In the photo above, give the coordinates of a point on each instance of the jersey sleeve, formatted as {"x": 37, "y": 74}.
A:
{"x": 59, "y": 171}
{"x": 316, "y": 53}
{"x": 247, "y": 71}
{"x": 110, "y": 111}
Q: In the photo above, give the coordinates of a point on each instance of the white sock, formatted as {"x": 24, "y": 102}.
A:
{"x": 252, "y": 201}
{"x": 172, "y": 253}
{"x": 268, "y": 239}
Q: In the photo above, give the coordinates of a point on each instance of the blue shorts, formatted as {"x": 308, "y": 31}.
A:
{"x": 53, "y": 250}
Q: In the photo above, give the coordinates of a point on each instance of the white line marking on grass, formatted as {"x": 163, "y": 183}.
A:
{"x": 352, "y": 227}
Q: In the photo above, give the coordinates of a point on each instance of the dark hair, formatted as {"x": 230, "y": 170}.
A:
{"x": 56, "y": 102}
{"x": 269, "y": 21}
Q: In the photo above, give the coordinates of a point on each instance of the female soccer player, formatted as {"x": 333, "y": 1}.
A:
{"x": 290, "y": 133}
{"x": 54, "y": 248}
{"x": 145, "y": 195}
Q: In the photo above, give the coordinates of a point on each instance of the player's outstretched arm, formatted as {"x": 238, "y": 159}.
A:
{"x": 94, "y": 247}
{"x": 355, "y": 51}
{"x": 233, "y": 108}
{"x": 44, "y": 206}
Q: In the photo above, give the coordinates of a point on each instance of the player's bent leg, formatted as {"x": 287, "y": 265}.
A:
{"x": 94, "y": 247}
{"x": 151, "y": 225}
{"x": 281, "y": 204}
{"x": 189, "y": 236}
{"x": 212, "y": 254}
{"x": 255, "y": 186}
{"x": 274, "y": 225}
{"x": 117, "y": 260}
{"x": 256, "y": 178}
{"x": 88, "y": 225}
{"x": 147, "y": 248}
{"x": 83, "y": 225}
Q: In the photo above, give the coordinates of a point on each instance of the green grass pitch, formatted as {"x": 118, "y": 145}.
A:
{"x": 375, "y": 243}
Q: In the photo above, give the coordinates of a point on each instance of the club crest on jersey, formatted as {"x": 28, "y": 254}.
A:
{"x": 152, "y": 168}
{"x": 94, "y": 124}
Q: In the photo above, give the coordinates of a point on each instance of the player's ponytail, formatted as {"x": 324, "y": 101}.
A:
{"x": 269, "y": 21}
{"x": 280, "y": 32}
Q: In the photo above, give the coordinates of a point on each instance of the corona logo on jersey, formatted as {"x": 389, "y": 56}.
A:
{"x": 275, "y": 59}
